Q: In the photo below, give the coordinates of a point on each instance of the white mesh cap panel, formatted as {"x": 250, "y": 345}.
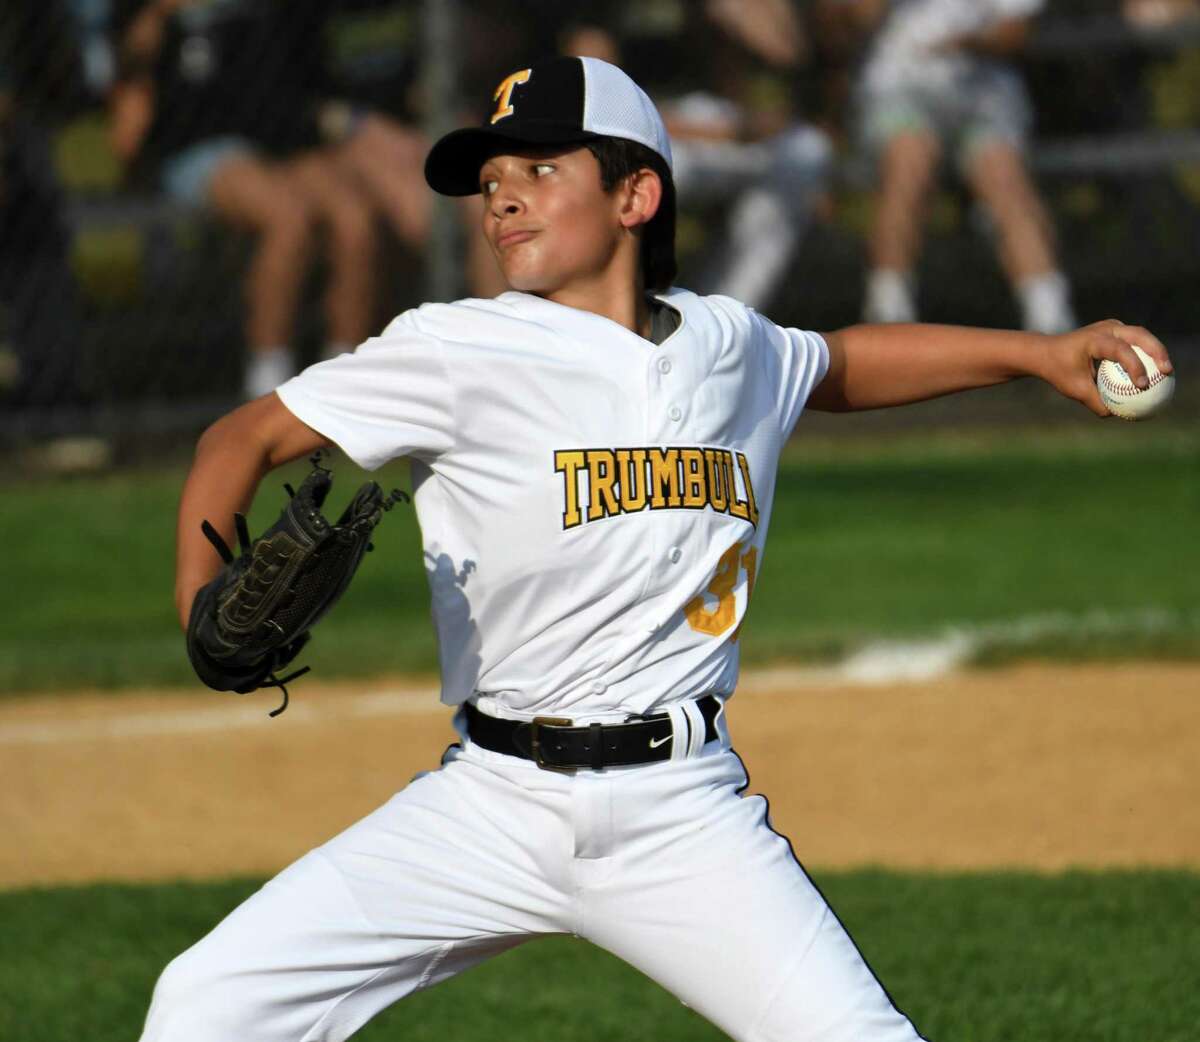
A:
{"x": 615, "y": 106}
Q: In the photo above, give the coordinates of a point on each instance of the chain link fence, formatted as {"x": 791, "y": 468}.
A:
{"x": 189, "y": 185}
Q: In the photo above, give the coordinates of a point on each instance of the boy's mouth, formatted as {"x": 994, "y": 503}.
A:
{"x": 513, "y": 237}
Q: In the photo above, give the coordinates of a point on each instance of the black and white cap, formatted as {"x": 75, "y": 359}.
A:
{"x": 559, "y": 101}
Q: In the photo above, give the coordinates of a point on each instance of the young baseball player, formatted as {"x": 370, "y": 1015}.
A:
{"x": 593, "y": 458}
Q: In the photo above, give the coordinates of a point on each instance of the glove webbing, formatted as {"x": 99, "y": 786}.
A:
{"x": 245, "y": 544}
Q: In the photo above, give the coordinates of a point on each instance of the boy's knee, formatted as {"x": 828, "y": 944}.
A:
{"x": 177, "y": 985}
{"x": 188, "y": 1004}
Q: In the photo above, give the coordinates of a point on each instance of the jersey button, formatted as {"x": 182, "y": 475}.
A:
{"x": 675, "y": 413}
{"x": 664, "y": 365}
{"x": 599, "y": 687}
{"x": 675, "y": 554}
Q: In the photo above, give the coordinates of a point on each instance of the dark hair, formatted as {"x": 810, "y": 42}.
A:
{"x": 618, "y": 159}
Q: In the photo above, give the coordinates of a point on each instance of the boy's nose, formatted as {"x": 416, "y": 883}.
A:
{"x": 506, "y": 200}
{"x": 506, "y": 204}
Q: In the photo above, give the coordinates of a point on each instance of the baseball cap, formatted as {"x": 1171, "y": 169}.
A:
{"x": 557, "y": 101}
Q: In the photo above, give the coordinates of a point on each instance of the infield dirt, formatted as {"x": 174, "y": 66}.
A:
{"x": 1043, "y": 767}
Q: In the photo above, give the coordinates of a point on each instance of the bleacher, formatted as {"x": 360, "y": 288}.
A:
{"x": 161, "y": 283}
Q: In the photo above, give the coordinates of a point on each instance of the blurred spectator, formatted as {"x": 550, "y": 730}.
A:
{"x": 371, "y": 49}
{"x": 92, "y": 20}
{"x": 723, "y": 75}
{"x": 41, "y": 87}
{"x": 1153, "y": 14}
{"x": 213, "y": 103}
{"x": 372, "y": 113}
{"x": 935, "y": 78}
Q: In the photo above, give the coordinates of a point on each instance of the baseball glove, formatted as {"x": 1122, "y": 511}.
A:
{"x": 255, "y": 616}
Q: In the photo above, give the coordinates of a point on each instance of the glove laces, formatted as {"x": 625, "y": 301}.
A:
{"x": 273, "y": 681}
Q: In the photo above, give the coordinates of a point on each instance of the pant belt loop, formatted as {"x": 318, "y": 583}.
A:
{"x": 679, "y": 731}
{"x": 596, "y": 743}
{"x": 696, "y": 719}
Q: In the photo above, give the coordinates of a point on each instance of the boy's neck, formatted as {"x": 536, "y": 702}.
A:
{"x": 627, "y": 304}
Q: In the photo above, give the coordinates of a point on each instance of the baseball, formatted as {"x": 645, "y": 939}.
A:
{"x": 1124, "y": 398}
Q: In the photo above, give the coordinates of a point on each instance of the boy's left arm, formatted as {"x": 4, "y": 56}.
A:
{"x": 874, "y": 366}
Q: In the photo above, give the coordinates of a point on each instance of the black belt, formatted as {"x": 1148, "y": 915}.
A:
{"x": 556, "y": 745}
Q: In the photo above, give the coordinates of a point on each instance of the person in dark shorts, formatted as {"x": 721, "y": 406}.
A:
{"x": 213, "y": 104}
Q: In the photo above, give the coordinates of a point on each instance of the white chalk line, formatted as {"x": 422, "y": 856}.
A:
{"x": 219, "y": 718}
{"x": 876, "y": 663}
{"x": 891, "y": 661}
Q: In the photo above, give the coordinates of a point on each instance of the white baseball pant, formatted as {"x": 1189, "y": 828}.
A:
{"x": 665, "y": 865}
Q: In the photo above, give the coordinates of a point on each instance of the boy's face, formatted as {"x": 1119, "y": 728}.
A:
{"x": 547, "y": 218}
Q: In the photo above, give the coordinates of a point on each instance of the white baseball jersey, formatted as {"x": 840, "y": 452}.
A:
{"x": 593, "y": 506}
{"x": 905, "y": 49}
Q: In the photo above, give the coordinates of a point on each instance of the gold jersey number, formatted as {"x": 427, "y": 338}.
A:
{"x": 716, "y": 620}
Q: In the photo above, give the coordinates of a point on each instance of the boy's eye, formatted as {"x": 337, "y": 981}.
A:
{"x": 543, "y": 168}
{"x": 488, "y": 187}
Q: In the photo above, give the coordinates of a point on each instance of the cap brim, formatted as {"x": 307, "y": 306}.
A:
{"x": 452, "y": 166}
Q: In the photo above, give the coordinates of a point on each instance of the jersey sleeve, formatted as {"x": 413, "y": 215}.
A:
{"x": 796, "y": 361}
{"x": 390, "y": 398}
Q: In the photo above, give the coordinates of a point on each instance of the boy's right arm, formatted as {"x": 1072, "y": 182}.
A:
{"x": 876, "y": 366}
{"x": 232, "y": 457}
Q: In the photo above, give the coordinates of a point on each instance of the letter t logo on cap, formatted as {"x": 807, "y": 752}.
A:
{"x": 503, "y": 95}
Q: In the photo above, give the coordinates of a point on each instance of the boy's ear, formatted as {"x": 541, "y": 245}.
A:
{"x": 644, "y": 192}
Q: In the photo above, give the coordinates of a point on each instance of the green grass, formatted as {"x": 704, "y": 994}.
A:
{"x": 1079, "y": 957}
{"x": 869, "y": 540}
{"x": 937, "y": 533}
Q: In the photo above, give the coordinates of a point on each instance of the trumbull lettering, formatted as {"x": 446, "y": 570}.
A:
{"x": 626, "y": 481}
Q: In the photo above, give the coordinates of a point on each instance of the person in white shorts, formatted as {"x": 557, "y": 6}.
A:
{"x": 593, "y": 458}
{"x": 936, "y": 79}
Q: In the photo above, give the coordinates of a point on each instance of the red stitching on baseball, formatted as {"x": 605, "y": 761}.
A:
{"x": 1129, "y": 389}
